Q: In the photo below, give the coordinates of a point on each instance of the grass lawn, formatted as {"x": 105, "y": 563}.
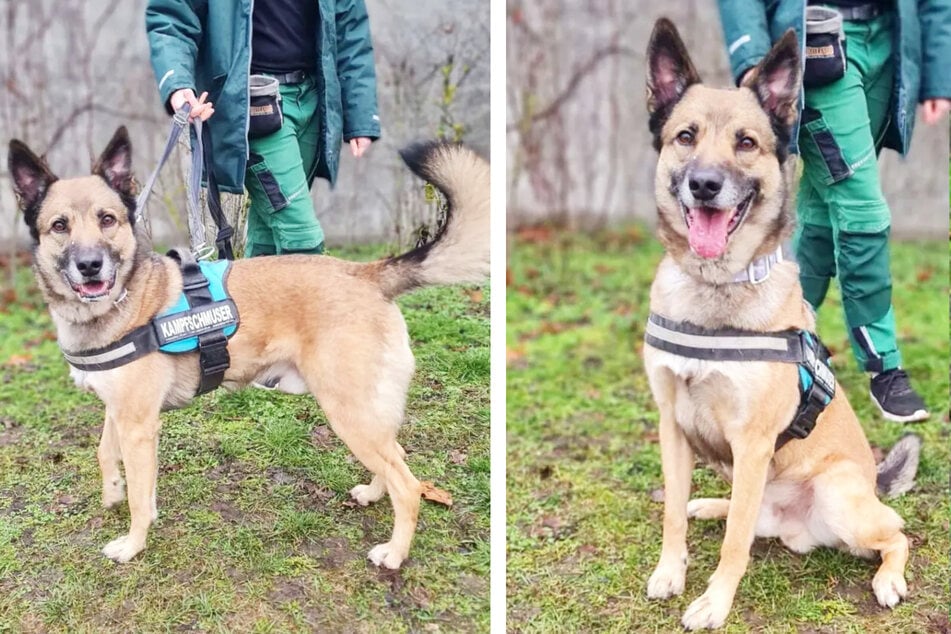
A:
{"x": 256, "y": 530}
{"x": 584, "y": 475}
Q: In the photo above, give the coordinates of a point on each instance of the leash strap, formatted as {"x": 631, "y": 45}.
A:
{"x": 179, "y": 121}
{"x": 816, "y": 380}
{"x": 201, "y": 159}
{"x": 225, "y": 231}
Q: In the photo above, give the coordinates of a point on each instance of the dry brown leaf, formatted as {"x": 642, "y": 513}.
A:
{"x": 431, "y": 493}
{"x": 475, "y": 295}
{"x": 514, "y": 354}
{"x": 18, "y": 359}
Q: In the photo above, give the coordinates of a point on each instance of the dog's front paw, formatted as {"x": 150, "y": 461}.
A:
{"x": 707, "y": 612}
{"x": 386, "y": 555}
{"x": 667, "y": 581}
{"x": 123, "y": 549}
{"x": 366, "y": 493}
{"x": 113, "y": 493}
{"x": 890, "y": 588}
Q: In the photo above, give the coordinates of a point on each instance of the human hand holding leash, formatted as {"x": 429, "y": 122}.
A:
{"x": 200, "y": 107}
{"x": 935, "y": 110}
{"x": 359, "y": 145}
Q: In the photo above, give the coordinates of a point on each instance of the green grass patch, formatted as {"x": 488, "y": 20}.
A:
{"x": 256, "y": 530}
{"x": 583, "y": 470}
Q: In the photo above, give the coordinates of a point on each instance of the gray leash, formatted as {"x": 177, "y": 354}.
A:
{"x": 196, "y": 227}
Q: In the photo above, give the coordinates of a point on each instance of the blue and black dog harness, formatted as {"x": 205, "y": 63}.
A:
{"x": 816, "y": 380}
{"x": 202, "y": 320}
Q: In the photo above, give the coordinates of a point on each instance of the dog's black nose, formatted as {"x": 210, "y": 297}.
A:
{"x": 705, "y": 184}
{"x": 89, "y": 264}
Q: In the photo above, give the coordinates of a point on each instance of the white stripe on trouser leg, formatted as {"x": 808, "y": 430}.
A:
{"x": 868, "y": 342}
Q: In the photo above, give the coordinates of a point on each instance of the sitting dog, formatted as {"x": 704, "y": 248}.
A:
{"x": 738, "y": 376}
{"x": 326, "y": 325}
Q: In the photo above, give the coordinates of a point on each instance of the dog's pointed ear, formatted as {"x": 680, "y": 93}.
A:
{"x": 669, "y": 69}
{"x": 115, "y": 163}
{"x": 31, "y": 179}
{"x": 776, "y": 80}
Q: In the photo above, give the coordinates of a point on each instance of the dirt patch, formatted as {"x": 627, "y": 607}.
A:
{"x": 17, "y": 497}
{"x": 82, "y": 436}
{"x": 322, "y": 437}
{"x": 336, "y": 552}
{"x": 286, "y": 590}
{"x": 228, "y": 511}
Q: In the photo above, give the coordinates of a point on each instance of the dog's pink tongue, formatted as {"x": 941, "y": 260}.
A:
{"x": 708, "y": 231}
{"x": 90, "y": 289}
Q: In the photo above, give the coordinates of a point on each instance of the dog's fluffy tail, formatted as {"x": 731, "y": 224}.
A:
{"x": 459, "y": 250}
{"x": 896, "y": 473}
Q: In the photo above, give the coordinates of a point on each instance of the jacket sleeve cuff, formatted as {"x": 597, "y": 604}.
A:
{"x": 371, "y": 133}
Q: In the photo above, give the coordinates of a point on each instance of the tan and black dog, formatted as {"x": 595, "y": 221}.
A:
{"x": 323, "y": 325}
{"x": 724, "y": 203}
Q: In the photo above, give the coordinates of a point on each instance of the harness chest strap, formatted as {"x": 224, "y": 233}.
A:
{"x": 202, "y": 320}
{"x": 816, "y": 381}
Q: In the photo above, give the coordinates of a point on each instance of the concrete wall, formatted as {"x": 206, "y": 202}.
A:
{"x": 578, "y": 146}
{"x": 71, "y": 71}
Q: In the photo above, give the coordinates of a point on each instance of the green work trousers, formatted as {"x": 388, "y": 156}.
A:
{"x": 844, "y": 220}
{"x": 280, "y": 170}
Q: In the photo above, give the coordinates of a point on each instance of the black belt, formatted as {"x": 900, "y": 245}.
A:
{"x": 293, "y": 77}
{"x": 860, "y": 13}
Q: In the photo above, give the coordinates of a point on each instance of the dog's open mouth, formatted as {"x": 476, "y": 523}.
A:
{"x": 90, "y": 291}
{"x": 709, "y": 228}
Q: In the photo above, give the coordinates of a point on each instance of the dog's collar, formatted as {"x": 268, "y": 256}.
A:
{"x": 816, "y": 380}
{"x": 759, "y": 269}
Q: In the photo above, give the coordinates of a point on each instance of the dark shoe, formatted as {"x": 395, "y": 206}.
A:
{"x": 895, "y": 397}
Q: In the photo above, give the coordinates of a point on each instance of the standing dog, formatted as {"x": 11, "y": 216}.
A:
{"x": 329, "y": 326}
{"x": 724, "y": 210}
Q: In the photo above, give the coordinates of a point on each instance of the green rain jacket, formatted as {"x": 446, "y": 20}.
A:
{"x": 206, "y": 45}
{"x": 923, "y": 48}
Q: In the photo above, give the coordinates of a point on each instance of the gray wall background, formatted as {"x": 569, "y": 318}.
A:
{"x": 71, "y": 71}
{"x": 578, "y": 146}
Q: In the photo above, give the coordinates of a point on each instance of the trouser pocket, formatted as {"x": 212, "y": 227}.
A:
{"x": 822, "y": 143}
{"x": 276, "y": 200}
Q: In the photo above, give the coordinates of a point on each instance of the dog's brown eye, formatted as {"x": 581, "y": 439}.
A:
{"x": 685, "y": 138}
{"x": 59, "y": 226}
{"x": 746, "y": 143}
{"x": 107, "y": 221}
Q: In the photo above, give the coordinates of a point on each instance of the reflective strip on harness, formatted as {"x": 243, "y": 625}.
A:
{"x": 816, "y": 380}
{"x": 722, "y": 344}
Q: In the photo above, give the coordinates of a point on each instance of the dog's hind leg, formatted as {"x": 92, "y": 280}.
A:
{"x": 373, "y": 442}
{"x": 138, "y": 441}
{"x": 669, "y": 576}
{"x": 113, "y": 487}
{"x": 365, "y": 494}
{"x": 851, "y": 510}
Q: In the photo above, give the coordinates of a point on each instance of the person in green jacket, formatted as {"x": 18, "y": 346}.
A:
{"x": 896, "y": 56}
{"x": 319, "y": 56}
